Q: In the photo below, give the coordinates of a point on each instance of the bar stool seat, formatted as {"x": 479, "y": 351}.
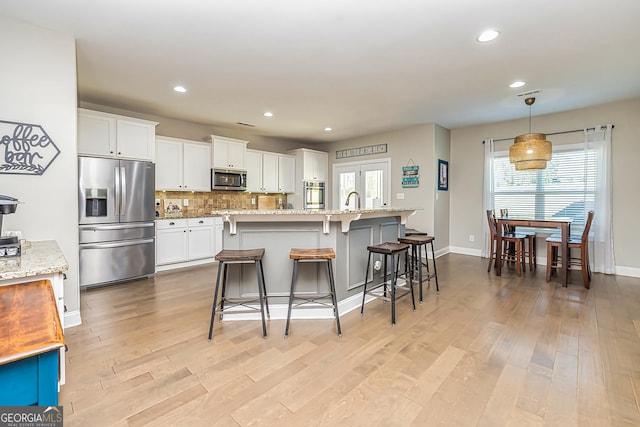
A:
{"x": 242, "y": 256}
{"x": 417, "y": 241}
{"x": 413, "y": 232}
{"x": 393, "y": 250}
{"x": 317, "y": 299}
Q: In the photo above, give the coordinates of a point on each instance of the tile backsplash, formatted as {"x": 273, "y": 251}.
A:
{"x": 202, "y": 203}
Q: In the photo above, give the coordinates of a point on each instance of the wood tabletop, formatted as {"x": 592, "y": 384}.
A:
{"x": 29, "y": 319}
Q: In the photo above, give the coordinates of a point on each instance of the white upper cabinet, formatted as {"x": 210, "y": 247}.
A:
{"x": 111, "y": 135}
{"x": 182, "y": 165}
{"x": 197, "y": 166}
{"x": 315, "y": 166}
{"x": 228, "y": 153}
{"x": 270, "y": 172}
{"x": 311, "y": 165}
{"x": 169, "y": 164}
{"x": 286, "y": 173}
{"x": 254, "y": 170}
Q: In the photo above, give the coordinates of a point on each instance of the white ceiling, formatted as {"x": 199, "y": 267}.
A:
{"x": 359, "y": 66}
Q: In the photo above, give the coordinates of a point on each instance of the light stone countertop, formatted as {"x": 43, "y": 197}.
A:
{"x": 325, "y": 216}
{"x": 37, "y": 258}
{"x": 310, "y": 211}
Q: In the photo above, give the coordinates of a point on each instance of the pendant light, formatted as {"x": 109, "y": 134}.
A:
{"x": 530, "y": 151}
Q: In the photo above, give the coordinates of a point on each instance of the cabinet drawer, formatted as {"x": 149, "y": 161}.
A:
{"x": 172, "y": 223}
{"x": 200, "y": 222}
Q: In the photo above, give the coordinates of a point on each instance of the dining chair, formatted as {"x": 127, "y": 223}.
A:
{"x": 530, "y": 239}
{"x": 554, "y": 261}
{"x": 516, "y": 239}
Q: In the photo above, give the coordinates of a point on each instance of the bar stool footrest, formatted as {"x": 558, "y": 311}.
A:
{"x": 318, "y": 300}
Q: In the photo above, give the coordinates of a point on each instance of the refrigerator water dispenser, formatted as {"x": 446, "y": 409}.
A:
{"x": 95, "y": 201}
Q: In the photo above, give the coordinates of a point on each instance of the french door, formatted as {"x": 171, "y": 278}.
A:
{"x": 370, "y": 179}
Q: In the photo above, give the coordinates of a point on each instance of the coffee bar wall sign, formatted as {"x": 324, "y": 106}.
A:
{"x": 25, "y": 149}
{"x": 410, "y": 175}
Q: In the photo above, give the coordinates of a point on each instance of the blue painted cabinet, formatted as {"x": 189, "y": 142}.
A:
{"x": 30, "y": 381}
{"x": 30, "y": 341}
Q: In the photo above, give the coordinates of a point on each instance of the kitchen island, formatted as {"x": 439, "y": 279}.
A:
{"x": 39, "y": 260}
{"x": 277, "y": 231}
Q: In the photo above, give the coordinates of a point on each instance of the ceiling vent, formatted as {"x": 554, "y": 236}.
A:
{"x": 245, "y": 124}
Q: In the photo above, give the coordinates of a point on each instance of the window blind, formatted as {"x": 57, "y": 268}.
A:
{"x": 566, "y": 188}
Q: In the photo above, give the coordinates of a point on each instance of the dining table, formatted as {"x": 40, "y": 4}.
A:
{"x": 563, "y": 223}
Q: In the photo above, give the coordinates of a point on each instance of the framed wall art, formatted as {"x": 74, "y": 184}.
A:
{"x": 443, "y": 175}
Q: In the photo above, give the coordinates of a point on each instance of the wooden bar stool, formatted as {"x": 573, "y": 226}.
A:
{"x": 244, "y": 256}
{"x": 393, "y": 250}
{"x": 313, "y": 255}
{"x": 417, "y": 241}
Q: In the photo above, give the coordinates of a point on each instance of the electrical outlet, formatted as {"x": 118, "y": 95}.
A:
{"x": 472, "y": 238}
{"x": 253, "y": 200}
{"x": 185, "y": 202}
{"x": 399, "y": 196}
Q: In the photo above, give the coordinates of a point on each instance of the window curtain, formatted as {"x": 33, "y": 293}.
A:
{"x": 598, "y": 138}
{"x": 487, "y": 199}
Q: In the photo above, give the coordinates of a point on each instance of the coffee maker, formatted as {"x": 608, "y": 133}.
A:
{"x": 9, "y": 245}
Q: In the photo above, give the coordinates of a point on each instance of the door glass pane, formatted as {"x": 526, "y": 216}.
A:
{"x": 347, "y": 184}
{"x": 374, "y": 185}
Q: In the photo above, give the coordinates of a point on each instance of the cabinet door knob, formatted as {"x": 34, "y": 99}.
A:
{"x": 172, "y": 223}
{"x": 201, "y": 222}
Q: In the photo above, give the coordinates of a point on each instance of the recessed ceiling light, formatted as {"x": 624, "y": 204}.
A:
{"x": 517, "y": 84}
{"x": 488, "y": 35}
{"x": 268, "y": 114}
{"x": 328, "y": 129}
{"x": 180, "y": 89}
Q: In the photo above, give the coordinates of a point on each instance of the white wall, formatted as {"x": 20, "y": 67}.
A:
{"x": 38, "y": 86}
{"x": 441, "y": 206}
{"x": 467, "y": 163}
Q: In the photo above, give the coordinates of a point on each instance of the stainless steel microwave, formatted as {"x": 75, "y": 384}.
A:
{"x": 228, "y": 179}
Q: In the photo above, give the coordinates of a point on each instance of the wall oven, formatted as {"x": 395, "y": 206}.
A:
{"x": 314, "y": 195}
{"x": 228, "y": 179}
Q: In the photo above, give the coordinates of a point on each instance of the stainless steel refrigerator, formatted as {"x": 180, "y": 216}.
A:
{"x": 116, "y": 220}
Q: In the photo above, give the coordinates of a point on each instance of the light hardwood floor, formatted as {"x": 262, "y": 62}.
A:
{"x": 488, "y": 351}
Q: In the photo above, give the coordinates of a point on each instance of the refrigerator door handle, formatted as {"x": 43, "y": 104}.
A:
{"x": 123, "y": 190}
{"x": 116, "y": 244}
{"x": 117, "y": 193}
{"x": 115, "y": 226}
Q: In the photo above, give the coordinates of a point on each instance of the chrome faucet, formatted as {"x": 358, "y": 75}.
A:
{"x": 357, "y": 198}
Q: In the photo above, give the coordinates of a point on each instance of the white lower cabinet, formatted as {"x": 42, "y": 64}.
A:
{"x": 201, "y": 238}
{"x": 184, "y": 242}
{"x": 172, "y": 244}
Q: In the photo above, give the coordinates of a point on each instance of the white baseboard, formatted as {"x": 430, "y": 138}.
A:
{"x": 465, "y": 251}
{"x": 542, "y": 261}
{"x": 72, "y": 318}
{"x": 628, "y": 271}
{"x": 168, "y": 267}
